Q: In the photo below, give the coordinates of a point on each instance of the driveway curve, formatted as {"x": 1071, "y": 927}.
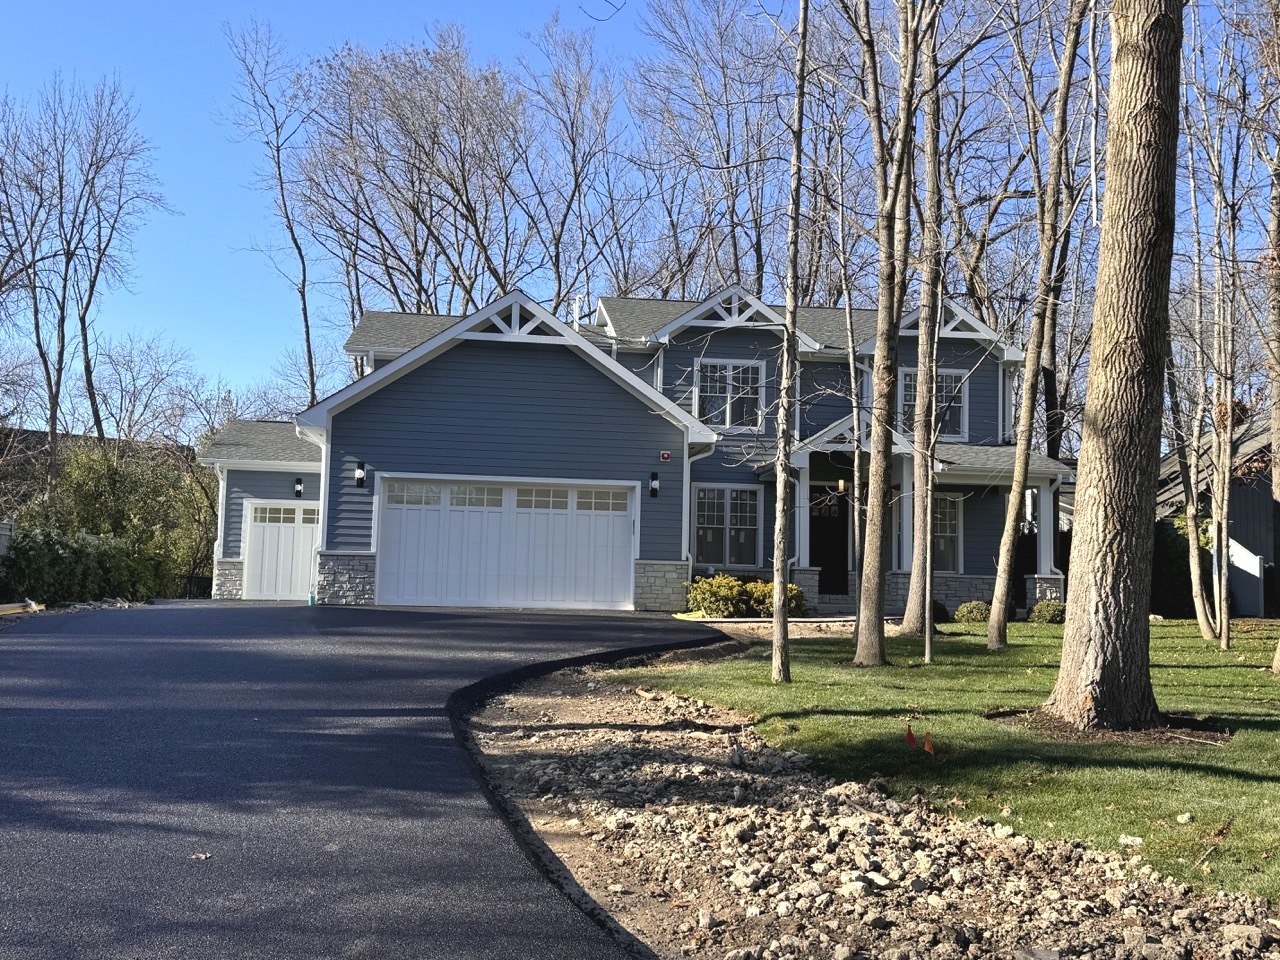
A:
{"x": 263, "y": 781}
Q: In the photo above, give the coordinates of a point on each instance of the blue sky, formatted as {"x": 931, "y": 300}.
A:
{"x": 195, "y": 278}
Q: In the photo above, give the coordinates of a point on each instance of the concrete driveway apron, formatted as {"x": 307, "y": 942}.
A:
{"x": 267, "y": 781}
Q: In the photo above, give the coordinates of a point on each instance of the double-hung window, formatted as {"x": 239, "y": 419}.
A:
{"x": 946, "y": 533}
{"x": 948, "y": 403}
{"x": 727, "y": 527}
{"x": 731, "y": 394}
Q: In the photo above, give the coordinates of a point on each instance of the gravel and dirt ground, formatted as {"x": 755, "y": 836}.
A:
{"x": 700, "y": 840}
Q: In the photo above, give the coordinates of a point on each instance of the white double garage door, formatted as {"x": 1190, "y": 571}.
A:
{"x": 495, "y": 544}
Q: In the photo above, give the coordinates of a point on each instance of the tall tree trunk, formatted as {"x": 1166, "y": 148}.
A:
{"x": 1189, "y": 474}
{"x": 1105, "y": 676}
{"x": 1273, "y": 325}
{"x": 787, "y": 377}
{"x": 1050, "y": 236}
{"x": 919, "y": 611}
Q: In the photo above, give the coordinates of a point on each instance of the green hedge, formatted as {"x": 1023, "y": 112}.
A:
{"x": 974, "y": 611}
{"x": 50, "y": 567}
{"x": 723, "y": 597}
{"x": 1048, "y": 611}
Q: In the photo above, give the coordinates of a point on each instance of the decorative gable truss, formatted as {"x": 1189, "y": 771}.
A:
{"x": 514, "y": 318}
{"x": 732, "y": 308}
{"x": 843, "y": 437}
{"x": 957, "y": 324}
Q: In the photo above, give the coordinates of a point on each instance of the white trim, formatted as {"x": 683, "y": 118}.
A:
{"x": 901, "y": 553}
{"x": 964, "y": 375}
{"x": 761, "y": 398}
{"x": 759, "y": 488}
{"x": 955, "y": 319}
{"x": 221, "y": 473}
{"x": 518, "y": 329}
{"x": 265, "y": 466}
{"x": 959, "y": 499}
{"x": 802, "y": 516}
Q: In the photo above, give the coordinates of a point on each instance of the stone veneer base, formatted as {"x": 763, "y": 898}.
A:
{"x": 345, "y": 578}
{"x": 228, "y": 579}
{"x": 660, "y": 585}
{"x": 949, "y": 589}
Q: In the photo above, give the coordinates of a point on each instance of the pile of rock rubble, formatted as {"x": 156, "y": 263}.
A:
{"x": 707, "y": 842}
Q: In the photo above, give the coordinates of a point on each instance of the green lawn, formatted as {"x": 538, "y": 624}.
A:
{"x": 853, "y": 723}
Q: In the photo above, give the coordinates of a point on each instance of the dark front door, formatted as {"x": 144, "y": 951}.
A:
{"x": 829, "y": 538}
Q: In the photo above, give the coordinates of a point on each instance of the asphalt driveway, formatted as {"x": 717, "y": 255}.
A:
{"x": 305, "y": 750}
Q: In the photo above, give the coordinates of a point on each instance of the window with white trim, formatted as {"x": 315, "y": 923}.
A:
{"x": 727, "y": 526}
{"x": 475, "y": 495}
{"x": 603, "y": 500}
{"x": 412, "y": 493}
{"x": 731, "y": 394}
{"x": 274, "y": 515}
{"x": 946, "y": 533}
{"x": 948, "y": 403}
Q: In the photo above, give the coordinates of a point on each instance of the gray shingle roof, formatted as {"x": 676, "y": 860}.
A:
{"x": 636, "y": 319}
{"x": 996, "y": 461}
{"x": 263, "y": 440}
{"x": 1252, "y": 438}
{"x": 381, "y": 330}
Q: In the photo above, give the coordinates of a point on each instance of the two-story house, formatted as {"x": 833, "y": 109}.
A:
{"x": 510, "y": 459}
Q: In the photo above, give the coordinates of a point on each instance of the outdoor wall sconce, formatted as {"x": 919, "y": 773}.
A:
{"x": 654, "y": 486}
{"x": 297, "y": 488}
{"x": 360, "y": 473}
{"x": 840, "y": 484}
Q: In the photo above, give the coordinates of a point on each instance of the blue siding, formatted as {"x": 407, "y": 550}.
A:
{"x": 824, "y": 395}
{"x": 643, "y": 365}
{"x": 498, "y": 409}
{"x": 258, "y": 485}
{"x": 982, "y": 521}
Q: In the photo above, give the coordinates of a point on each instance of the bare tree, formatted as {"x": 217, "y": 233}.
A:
{"x": 1105, "y": 676}
{"x": 274, "y": 112}
{"x": 788, "y": 364}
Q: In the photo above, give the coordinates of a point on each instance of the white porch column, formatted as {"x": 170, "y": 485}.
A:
{"x": 1044, "y": 531}
{"x": 802, "y": 518}
{"x": 906, "y": 506}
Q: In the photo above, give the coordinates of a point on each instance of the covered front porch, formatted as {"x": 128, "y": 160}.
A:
{"x": 971, "y": 488}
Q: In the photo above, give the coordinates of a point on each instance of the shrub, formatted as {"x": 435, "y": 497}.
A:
{"x": 728, "y": 598}
{"x": 974, "y": 611}
{"x": 760, "y": 594}
{"x": 721, "y": 597}
{"x": 51, "y": 567}
{"x": 1048, "y": 611}
{"x": 940, "y": 612}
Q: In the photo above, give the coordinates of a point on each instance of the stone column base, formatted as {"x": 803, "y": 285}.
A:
{"x": 345, "y": 579}
{"x": 660, "y": 585}
{"x": 1045, "y": 586}
{"x": 228, "y": 579}
{"x": 806, "y": 578}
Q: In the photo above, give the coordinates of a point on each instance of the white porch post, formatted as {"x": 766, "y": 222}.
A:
{"x": 1044, "y": 535}
{"x": 802, "y": 518}
{"x": 907, "y": 507}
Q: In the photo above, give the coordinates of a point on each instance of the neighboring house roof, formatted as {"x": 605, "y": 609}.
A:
{"x": 996, "y": 461}
{"x": 260, "y": 441}
{"x": 1253, "y": 438}
{"x": 384, "y": 332}
{"x": 634, "y": 319}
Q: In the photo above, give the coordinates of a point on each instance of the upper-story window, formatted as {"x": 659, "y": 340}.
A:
{"x": 731, "y": 394}
{"x": 950, "y": 403}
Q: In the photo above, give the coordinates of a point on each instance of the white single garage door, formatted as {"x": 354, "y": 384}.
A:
{"x": 505, "y": 545}
{"x": 281, "y": 542}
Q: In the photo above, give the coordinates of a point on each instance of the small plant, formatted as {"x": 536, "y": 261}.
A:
{"x": 974, "y": 611}
{"x": 721, "y": 597}
{"x": 760, "y": 593}
{"x": 940, "y": 612}
{"x": 1048, "y": 611}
